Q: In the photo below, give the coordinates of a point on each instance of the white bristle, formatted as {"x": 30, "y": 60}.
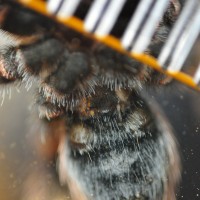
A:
{"x": 174, "y": 36}
{"x": 197, "y": 75}
{"x": 94, "y": 14}
{"x": 186, "y": 42}
{"x": 109, "y": 18}
{"x": 150, "y": 26}
{"x": 136, "y": 22}
{"x": 52, "y": 5}
{"x": 68, "y": 8}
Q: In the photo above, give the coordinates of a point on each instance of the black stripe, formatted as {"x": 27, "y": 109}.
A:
{"x": 83, "y": 9}
{"x": 124, "y": 18}
{"x": 59, "y": 7}
{"x": 101, "y": 15}
{"x": 141, "y": 27}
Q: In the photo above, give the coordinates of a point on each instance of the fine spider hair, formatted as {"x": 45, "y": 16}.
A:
{"x": 111, "y": 144}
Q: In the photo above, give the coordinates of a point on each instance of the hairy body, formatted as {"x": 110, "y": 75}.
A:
{"x": 109, "y": 143}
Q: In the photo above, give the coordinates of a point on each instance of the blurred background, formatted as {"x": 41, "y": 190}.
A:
{"x": 20, "y": 165}
{"x": 24, "y": 173}
{"x": 181, "y": 106}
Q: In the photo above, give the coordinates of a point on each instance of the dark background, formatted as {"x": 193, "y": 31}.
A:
{"x": 181, "y": 105}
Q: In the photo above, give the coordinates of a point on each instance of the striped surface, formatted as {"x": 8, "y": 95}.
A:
{"x": 103, "y": 15}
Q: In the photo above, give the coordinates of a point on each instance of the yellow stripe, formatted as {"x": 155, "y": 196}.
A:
{"x": 37, "y": 5}
{"x": 78, "y": 25}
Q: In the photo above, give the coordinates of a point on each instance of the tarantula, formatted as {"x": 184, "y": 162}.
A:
{"x": 109, "y": 143}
